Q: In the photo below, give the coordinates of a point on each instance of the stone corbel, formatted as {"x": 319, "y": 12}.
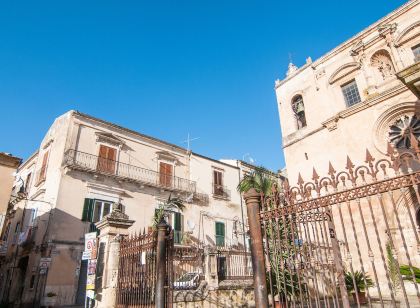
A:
{"x": 331, "y": 123}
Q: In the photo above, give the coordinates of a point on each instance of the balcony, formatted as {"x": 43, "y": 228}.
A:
{"x": 221, "y": 192}
{"x": 81, "y": 161}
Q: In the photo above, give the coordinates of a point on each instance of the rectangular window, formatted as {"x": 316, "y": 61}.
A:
{"x": 165, "y": 174}
{"x": 107, "y": 159}
{"x": 416, "y": 53}
{"x": 218, "y": 183}
{"x": 220, "y": 234}
{"x": 101, "y": 209}
{"x": 43, "y": 171}
{"x": 351, "y": 93}
{"x": 34, "y": 213}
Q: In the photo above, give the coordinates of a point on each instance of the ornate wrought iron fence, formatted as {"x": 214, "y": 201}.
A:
{"x": 137, "y": 271}
{"x": 188, "y": 267}
{"x": 234, "y": 264}
{"x": 348, "y": 237}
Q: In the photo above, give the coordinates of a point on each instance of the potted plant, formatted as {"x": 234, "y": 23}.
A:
{"x": 50, "y": 299}
{"x": 356, "y": 284}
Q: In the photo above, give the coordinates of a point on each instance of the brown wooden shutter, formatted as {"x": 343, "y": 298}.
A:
{"x": 107, "y": 159}
{"x": 217, "y": 182}
{"x": 165, "y": 174}
{"x": 43, "y": 170}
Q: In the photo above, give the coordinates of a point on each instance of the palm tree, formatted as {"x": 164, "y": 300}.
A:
{"x": 257, "y": 179}
{"x": 281, "y": 277}
{"x": 169, "y": 204}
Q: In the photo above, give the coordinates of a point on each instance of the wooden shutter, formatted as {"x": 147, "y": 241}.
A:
{"x": 87, "y": 214}
{"x": 107, "y": 159}
{"x": 43, "y": 170}
{"x": 165, "y": 174}
{"x": 218, "y": 182}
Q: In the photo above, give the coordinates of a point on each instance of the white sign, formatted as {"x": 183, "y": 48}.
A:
{"x": 90, "y": 242}
{"x": 90, "y": 294}
{"x": 44, "y": 263}
{"x": 86, "y": 255}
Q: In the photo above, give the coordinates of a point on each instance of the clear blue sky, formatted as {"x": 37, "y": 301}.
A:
{"x": 164, "y": 68}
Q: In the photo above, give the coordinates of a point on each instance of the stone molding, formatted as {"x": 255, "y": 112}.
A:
{"x": 332, "y": 122}
{"x": 401, "y": 38}
{"x": 343, "y": 70}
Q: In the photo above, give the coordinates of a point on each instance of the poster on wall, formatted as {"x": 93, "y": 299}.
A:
{"x": 91, "y": 267}
{"x": 90, "y": 282}
{"x": 90, "y": 242}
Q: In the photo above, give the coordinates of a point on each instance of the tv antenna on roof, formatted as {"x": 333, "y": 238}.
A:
{"x": 188, "y": 141}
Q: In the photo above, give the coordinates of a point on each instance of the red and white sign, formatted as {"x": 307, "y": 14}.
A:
{"x": 90, "y": 242}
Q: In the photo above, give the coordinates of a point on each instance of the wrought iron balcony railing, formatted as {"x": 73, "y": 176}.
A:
{"x": 220, "y": 191}
{"x": 93, "y": 163}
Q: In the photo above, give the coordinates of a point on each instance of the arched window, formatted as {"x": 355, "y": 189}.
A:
{"x": 418, "y": 219}
{"x": 381, "y": 60}
{"x": 299, "y": 111}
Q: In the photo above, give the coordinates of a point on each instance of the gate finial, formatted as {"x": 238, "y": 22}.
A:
{"x": 331, "y": 170}
{"x": 300, "y": 180}
{"x": 315, "y": 175}
{"x": 349, "y": 164}
{"x": 369, "y": 158}
{"x": 390, "y": 150}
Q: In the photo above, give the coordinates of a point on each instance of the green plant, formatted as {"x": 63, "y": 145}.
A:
{"x": 51, "y": 294}
{"x": 167, "y": 205}
{"x": 257, "y": 179}
{"x": 393, "y": 270}
{"x": 280, "y": 239}
{"x": 407, "y": 275}
{"x": 359, "y": 280}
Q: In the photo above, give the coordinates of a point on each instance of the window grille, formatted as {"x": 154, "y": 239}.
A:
{"x": 351, "y": 93}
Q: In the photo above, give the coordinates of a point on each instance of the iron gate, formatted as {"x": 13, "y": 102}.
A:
{"x": 348, "y": 237}
{"x": 137, "y": 272}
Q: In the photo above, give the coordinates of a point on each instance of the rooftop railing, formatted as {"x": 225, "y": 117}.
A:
{"x": 93, "y": 163}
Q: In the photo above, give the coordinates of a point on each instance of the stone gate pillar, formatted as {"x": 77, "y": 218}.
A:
{"x": 113, "y": 228}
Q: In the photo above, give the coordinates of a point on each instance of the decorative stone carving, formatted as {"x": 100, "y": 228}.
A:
{"x": 357, "y": 47}
{"x": 381, "y": 60}
{"x": 291, "y": 69}
{"x": 388, "y": 118}
{"x": 109, "y": 138}
{"x": 387, "y": 31}
{"x": 400, "y": 132}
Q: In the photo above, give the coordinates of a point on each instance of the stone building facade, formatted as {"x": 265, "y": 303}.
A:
{"x": 357, "y": 97}
{"x": 83, "y": 169}
{"x": 8, "y": 165}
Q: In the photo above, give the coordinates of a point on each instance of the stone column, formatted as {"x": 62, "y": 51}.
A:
{"x": 162, "y": 229}
{"x": 211, "y": 268}
{"x": 113, "y": 228}
{"x": 252, "y": 200}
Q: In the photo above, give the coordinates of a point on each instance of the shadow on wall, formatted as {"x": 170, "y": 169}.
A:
{"x": 57, "y": 235}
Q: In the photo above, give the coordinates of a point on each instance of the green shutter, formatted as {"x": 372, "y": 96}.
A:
{"x": 220, "y": 234}
{"x": 177, "y": 222}
{"x": 87, "y": 214}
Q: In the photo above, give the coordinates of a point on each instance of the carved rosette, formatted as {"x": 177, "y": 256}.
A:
{"x": 400, "y": 132}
